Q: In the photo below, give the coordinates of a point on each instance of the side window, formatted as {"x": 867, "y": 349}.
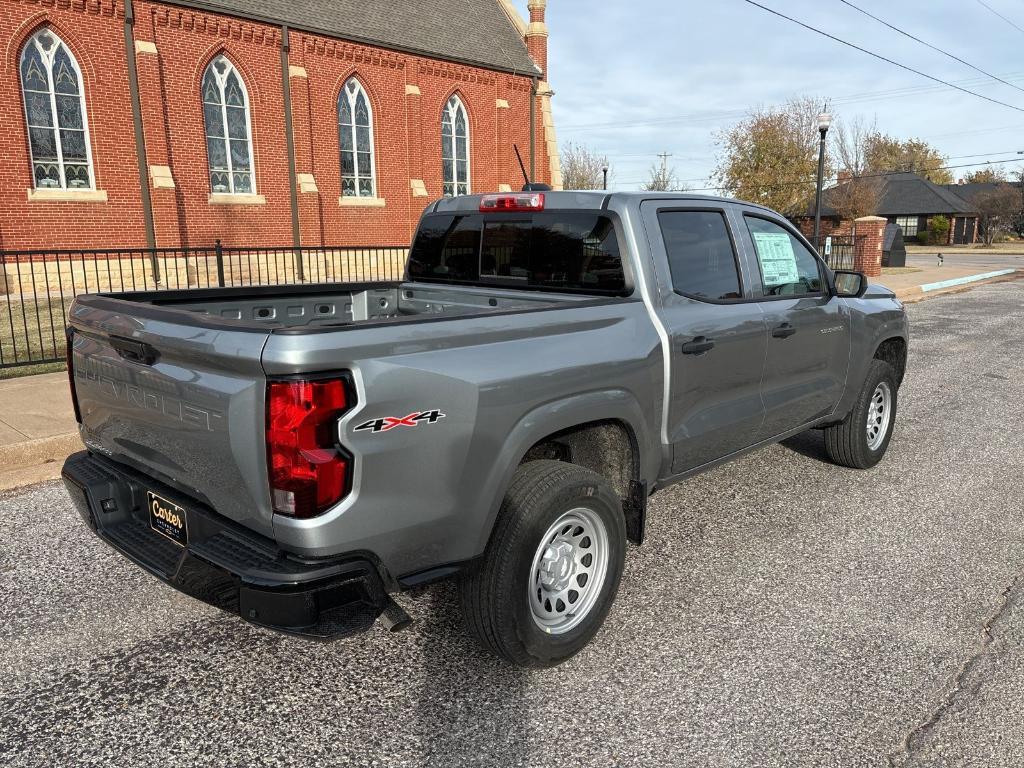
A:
{"x": 788, "y": 268}
{"x": 700, "y": 254}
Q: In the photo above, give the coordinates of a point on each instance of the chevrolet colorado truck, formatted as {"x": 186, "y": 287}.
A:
{"x": 299, "y": 454}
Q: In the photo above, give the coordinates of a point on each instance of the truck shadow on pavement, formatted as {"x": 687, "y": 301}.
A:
{"x": 810, "y": 444}
{"x": 472, "y": 707}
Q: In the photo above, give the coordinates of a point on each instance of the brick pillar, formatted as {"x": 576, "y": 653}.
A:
{"x": 414, "y": 118}
{"x": 167, "y": 211}
{"x": 311, "y": 204}
{"x": 867, "y": 245}
{"x": 537, "y": 36}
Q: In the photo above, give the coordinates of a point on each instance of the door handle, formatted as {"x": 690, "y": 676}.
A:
{"x": 136, "y": 351}
{"x": 698, "y": 345}
{"x": 783, "y": 331}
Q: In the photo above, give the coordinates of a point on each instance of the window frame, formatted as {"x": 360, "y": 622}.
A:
{"x": 629, "y": 280}
{"x": 446, "y": 107}
{"x": 744, "y": 295}
{"x": 226, "y": 138}
{"x": 52, "y": 94}
{"x": 824, "y": 274}
{"x": 917, "y": 225}
{"x": 344, "y": 94}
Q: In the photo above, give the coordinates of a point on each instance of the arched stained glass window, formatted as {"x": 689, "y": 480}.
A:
{"x": 455, "y": 148}
{"x": 355, "y": 137}
{"x": 228, "y": 130}
{"x": 58, "y": 131}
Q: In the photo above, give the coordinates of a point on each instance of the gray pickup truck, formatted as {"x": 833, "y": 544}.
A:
{"x": 298, "y": 454}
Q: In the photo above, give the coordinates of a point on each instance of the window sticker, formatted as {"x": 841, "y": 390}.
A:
{"x": 778, "y": 262}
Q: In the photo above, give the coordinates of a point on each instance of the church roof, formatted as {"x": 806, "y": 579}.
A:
{"x": 475, "y": 32}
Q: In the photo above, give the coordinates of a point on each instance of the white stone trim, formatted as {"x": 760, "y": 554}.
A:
{"x": 296, "y": 71}
{"x": 412, "y": 90}
{"x": 352, "y": 201}
{"x": 306, "y": 182}
{"x": 230, "y": 198}
{"x": 67, "y": 195}
{"x": 419, "y": 189}
{"x": 145, "y": 46}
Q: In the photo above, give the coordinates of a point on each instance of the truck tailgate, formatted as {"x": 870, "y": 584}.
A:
{"x": 177, "y": 396}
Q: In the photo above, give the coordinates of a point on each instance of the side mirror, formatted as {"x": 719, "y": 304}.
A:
{"x": 851, "y": 285}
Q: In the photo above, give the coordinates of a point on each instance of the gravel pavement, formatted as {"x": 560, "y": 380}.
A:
{"x": 783, "y": 611}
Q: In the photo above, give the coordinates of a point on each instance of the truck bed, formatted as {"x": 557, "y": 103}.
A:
{"x": 331, "y": 305}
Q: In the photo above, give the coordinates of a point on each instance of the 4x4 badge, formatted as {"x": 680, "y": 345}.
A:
{"x": 390, "y": 422}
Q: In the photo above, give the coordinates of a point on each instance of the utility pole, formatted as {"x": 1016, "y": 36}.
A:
{"x": 663, "y": 174}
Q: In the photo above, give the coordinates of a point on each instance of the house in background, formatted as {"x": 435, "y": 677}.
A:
{"x": 908, "y": 200}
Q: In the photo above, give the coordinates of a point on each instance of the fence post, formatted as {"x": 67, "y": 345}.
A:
{"x": 219, "y": 251}
{"x": 154, "y": 262}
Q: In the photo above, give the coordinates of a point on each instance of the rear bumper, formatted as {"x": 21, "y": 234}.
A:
{"x": 224, "y": 564}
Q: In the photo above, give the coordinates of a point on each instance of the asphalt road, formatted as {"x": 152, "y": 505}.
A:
{"x": 985, "y": 261}
{"x": 783, "y": 611}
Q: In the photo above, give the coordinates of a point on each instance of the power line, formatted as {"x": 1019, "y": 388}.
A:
{"x": 856, "y": 98}
{"x": 997, "y": 13}
{"x": 806, "y": 182}
{"x": 880, "y": 56}
{"x": 929, "y": 45}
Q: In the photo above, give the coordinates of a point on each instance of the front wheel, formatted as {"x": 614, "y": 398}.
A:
{"x": 861, "y": 440}
{"x": 552, "y": 566}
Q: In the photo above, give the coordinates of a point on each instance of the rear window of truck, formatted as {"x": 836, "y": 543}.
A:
{"x": 574, "y": 252}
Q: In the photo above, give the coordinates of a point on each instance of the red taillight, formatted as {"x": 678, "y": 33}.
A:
{"x": 308, "y": 469}
{"x": 70, "y": 335}
{"x": 526, "y": 201}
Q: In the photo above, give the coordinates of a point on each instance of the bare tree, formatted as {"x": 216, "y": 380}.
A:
{"x": 662, "y": 178}
{"x": 582, "y": 167}
{"x": 858, "y": 190}
{"x": 997, "y": 210}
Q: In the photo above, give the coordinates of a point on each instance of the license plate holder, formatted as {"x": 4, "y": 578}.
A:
{"x": 167, "y": 518}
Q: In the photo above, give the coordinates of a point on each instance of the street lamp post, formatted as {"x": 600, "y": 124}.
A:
{"x": 604, "y": 170}
{"x": 824, "y": 121}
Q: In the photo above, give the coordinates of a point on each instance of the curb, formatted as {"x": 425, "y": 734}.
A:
{"x": 34, "y": 461}
{"x": 920, "y": 292}
{"x": 964, "y": 280}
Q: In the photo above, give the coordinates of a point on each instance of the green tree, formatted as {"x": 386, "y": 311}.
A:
{"x": 771, "y": 156}
{"x": 994, "y": 174}
{"x": 938, "y": 230}
{"x": 887, "y": 154}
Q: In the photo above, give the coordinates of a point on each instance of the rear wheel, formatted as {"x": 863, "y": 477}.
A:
{"x": 552, "y": 567}
{"x": 862, "y": 439}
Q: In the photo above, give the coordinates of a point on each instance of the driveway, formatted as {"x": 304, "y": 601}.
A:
{"x": 783, "y": 611}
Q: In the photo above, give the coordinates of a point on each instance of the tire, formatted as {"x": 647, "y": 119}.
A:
{"x": 503, "y": 596}
{"x": 848, "y": 444}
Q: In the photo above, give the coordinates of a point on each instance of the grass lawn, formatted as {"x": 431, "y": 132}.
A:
{"x": 899, "y": 270}
{"x": 31, "y": 331}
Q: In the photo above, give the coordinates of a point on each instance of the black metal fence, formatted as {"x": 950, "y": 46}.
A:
{"x": 837, "y": 252}
{"x": 37, "y": 287}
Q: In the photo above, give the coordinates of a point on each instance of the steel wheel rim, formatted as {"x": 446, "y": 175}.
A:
{"x": 879, "y": 414}
{"x": 568, "y": 571}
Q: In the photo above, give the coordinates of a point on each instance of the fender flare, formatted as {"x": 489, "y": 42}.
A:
{"x": 555, "y": 416}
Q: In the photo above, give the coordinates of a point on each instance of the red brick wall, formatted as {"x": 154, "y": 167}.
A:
{"x": 407, "y": 139}
{"x": 93, "y": 31}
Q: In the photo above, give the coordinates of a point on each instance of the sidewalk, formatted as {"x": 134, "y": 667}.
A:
{"x": 37, "y": 428}
{"x": 928, "y": 281}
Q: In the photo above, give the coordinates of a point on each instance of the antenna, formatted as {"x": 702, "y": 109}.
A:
{"x": 526, "y": 177}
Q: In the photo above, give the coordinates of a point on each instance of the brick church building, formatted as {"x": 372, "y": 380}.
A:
{"x": 261, "y": 122}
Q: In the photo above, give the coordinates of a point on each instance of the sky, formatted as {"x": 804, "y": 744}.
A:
{"x": 634, "y": 79}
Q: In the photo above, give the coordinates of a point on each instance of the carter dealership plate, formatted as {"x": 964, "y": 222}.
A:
{"x": 167, "y": 519}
